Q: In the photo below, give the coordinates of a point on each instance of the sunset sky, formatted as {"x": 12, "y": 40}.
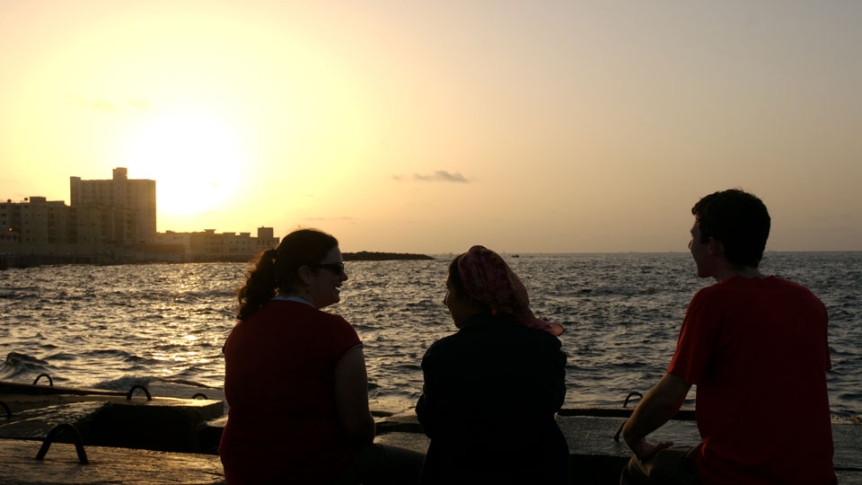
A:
{"x": 407, "y": 126}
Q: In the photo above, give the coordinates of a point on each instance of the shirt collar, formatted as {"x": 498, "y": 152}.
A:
{"x": 292, "y": 298}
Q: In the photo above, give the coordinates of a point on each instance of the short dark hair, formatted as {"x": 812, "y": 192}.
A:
{"x": 739, "y": 221}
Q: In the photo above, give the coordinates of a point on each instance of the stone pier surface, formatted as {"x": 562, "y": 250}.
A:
{"x": 107, "y": 466}
{"x": 159, "y": 424}
{"x": 140, "y": 441}
{"x": 598, "y": 459}
{"x": 127, "y": 438}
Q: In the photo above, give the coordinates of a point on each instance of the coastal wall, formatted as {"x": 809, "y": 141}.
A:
{"x": 142, "y": 254}
{"x": 133, "y": 438}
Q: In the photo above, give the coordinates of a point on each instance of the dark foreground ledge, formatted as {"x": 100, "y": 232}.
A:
{"x": 598, "y": 459}
{"x": 103, "y": 437}
{"x": 138, "y": 441}
{"x": 107, "y": 466}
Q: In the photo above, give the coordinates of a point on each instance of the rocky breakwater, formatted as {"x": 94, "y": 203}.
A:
{"x": 91, "y": 436}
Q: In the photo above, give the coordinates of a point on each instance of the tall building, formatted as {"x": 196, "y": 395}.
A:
{"x": 37, "y": 222}
{"x": 266, "y": 238}
{"x": 117, "y": 211}
{"x": 110, "y": 221}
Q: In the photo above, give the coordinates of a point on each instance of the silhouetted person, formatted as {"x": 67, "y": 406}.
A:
{"x": 295, "y": 378}
{"x": 745, "y": 340}
{"x": 493, "y": 388}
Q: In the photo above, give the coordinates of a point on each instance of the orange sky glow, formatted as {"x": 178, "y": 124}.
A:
{"x": 558, "y": 126}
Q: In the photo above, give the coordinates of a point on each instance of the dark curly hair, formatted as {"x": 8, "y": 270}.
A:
{"x": 276, "y": 270}
{"x": 739, "y": 221}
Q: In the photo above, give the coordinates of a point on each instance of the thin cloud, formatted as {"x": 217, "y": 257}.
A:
{"x": 103, "y": 106}
{"x": 141, "y": 104}
{"x": 438, "y": 176}
{"x": 98, "y": 105}
{"x": 348, "y": 219}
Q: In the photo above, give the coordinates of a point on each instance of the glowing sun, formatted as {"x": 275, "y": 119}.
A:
{"x": 194, "y": 160}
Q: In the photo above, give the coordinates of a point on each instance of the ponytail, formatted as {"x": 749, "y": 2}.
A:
{"x": 260, "y": 286}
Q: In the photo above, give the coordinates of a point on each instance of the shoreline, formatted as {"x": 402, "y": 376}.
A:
{"x": 22, "y": 261}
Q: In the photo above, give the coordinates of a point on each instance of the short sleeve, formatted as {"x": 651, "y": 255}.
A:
{"x": 344, "y": 336}
{"x": 697, "y": 337}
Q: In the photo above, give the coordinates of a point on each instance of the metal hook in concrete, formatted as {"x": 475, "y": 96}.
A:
{"x": 199, "y": 395}
{"x": 6, "y": 407}
{"x": 635, "y": 393}
{"x": 76, "y": 437}
{"x": 619, "y": 431}
{"x": 138, "y": 386}
{"x": 625, "y": 403}
{"x": 50, "y": 381}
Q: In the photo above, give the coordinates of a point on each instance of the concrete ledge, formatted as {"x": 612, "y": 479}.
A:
{"x": 165, "y": 424}
{"x": 36, "y": 422}
{"x": 598, "y": 460}
{"x": 685, "y": 414}
{"x": 21, "y": 389}
{"x": 160, "y": 424}
{"x": 195, "y": 426}
{"x": 107, "y": 466}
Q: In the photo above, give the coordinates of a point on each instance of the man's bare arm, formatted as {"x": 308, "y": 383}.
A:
{"x": 659, "y": 405}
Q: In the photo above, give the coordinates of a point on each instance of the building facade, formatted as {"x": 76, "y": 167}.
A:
{"x": 38, "y": 225}
{"x": 208, "y": 245}
{"x": 118, "y": 211}
{"x": 113, "y": 221}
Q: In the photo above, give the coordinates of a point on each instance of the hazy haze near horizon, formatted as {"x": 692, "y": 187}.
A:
{"x": 531, "y": 127}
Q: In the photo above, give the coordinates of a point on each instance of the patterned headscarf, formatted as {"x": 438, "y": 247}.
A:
{"x": 487, "y": 278}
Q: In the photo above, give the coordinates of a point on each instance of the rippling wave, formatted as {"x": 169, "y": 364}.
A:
{"x": 165, "y": 324}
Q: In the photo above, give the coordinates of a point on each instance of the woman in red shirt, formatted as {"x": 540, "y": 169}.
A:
{"x": 295, "y": 378}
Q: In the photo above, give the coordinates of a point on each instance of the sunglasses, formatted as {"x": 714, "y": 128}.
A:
{"x": 336, "y": 268}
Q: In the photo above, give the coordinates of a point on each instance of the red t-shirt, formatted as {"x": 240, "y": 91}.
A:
{"x": 280, "y": 387}
{"x": 756, "y": 349}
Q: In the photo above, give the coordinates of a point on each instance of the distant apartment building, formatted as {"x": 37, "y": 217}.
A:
{"x": 37, "y": 223}
{"x": 208, "y": 245}
{"x": 114, "y": 221}
{"x": 266, "y": 238}
{"x": 119, "y": 211}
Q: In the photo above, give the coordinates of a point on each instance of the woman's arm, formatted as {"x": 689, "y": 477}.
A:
{"x": 425, "y": 415}
{"x": 351, "y": 396}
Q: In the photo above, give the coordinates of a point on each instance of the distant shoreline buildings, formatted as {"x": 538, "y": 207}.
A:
{"x": 111, "y": 221}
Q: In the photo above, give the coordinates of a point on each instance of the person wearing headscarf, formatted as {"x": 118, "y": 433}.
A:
{"x": 493, "y": 388}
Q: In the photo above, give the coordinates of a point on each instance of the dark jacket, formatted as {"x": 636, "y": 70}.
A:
{"x": 490, "y": 396}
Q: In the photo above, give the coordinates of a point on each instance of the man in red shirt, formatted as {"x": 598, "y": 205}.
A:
{"x": 744, "y": 339}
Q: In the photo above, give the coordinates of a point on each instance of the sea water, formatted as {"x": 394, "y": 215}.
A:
{"x": 163, "y": 325}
